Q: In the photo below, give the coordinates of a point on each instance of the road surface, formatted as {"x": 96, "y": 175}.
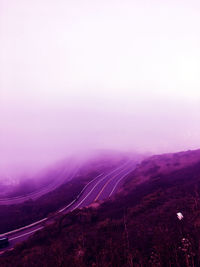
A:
{"x": 100, "y": 188}
{"x": 66, "y": 175}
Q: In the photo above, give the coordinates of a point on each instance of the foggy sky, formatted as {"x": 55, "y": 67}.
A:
{"x": 81, "y": 75}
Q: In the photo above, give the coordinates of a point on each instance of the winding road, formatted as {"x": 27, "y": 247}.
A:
{"x": 100, "y": 188}
{"x": 65, "y": 175}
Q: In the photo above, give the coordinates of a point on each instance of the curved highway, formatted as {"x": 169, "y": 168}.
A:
{"x": 66, "y": 175}
{"x": 100, "y": 188}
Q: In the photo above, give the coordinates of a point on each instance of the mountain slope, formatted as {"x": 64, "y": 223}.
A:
{"x": 30, "y": 211}
{"x": 138, "y": 227}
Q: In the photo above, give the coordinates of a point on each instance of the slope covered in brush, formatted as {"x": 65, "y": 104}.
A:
{"x": 138, "y": 227}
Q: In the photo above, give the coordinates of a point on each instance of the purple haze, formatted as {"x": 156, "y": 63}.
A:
{"x": 85, "y": 75}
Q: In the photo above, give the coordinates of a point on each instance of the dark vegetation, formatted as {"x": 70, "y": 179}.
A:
{"x": 137, "y": 228}
{"x": 30, "y": 211}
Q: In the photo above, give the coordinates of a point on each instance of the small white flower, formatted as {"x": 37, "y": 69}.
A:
{"x": 179, "y": 215}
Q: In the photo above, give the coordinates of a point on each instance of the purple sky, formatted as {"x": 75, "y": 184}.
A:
{"x": 81, "y": 75}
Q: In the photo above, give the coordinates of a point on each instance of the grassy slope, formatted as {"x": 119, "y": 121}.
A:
{"x": 137, "y": 228}
{"x": 31, "y": 211}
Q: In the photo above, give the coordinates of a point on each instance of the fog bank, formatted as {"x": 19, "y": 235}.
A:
{"x": 86, "y": 75}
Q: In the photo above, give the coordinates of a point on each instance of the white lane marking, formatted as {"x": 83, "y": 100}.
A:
{"x": 25, "y": 227}
{"x": 61, "y": 210}
{"x": 110, "y": 180}
{"x": 118, "y": 182}
{"x": 89, "y": 183}
{"x": 40, "y": 192}
{"x": 35, "y": 223}
{"x": 88, "y": 193}
{"x": 9, "y": 249}
{"x": 16, "y": 237}
{"x": 95, "y": 187}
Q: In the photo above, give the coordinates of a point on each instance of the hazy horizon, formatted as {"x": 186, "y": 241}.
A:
{"x": 87, "y": 75}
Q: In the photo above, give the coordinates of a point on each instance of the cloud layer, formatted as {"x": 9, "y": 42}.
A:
{"x": 82, "y": 75}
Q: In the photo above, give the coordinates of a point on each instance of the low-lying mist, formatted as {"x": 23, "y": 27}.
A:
{"x": 77, "y": 77}
{"x": 34, "y": 137}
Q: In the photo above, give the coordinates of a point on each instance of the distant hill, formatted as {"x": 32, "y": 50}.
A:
{"x": 138, "y": 227}
{"x": 160, "y": 165}
{"x": 54, "y": 175}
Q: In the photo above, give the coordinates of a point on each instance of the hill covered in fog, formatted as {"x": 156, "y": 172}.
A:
{"x": 137, "y": 227}
{"x": 54, "y": 188}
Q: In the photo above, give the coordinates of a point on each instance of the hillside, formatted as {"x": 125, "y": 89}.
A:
{"x": 32, "y": 210}
{"x": 138, "y": 227}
